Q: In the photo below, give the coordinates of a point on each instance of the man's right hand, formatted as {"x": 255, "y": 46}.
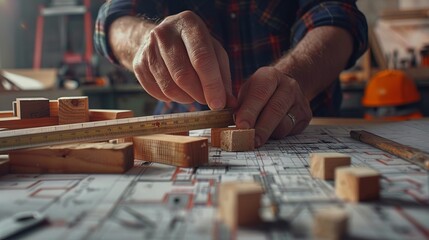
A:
{"x": 178, "y": 60}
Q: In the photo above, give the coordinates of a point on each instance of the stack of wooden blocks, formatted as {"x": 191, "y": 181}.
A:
{"x": 100, "y": 157}
{"x": 181, "y": 151}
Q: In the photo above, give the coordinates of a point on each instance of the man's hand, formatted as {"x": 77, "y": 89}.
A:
{"x": 265, "y": 101}
{"x": 180, "y": 61}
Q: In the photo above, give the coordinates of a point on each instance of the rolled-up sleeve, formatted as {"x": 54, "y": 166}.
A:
{"x": 344, "y": 14}
{"x": 114, "y": 9}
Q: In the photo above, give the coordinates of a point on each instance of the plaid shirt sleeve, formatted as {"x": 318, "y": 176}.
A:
{"x": 342, "y": 14}
{"x": 112, "y": 10}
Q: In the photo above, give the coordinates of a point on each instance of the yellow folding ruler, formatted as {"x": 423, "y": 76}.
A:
{"x": 105, "y": 130}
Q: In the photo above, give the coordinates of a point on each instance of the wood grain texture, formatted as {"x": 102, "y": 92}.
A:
{"x": 32, "y": 108}
{"x": 323, "y": 165}
{"x": 357, "y": 184}
{"x": 215, "y": 135}
{"x": 6, "y": 114}
{"x": 16, "y": 123}
{"x": 238, "y": 140}
{"x": 239, "y": 203}
{"x": 330, "y": 223}
{"x": 74, "y": 158}
{"x": 73, "y": 110}
{"x": 107, "y": 114}
{"x": 53, "y": 108}
{"x": 181, "y": 151}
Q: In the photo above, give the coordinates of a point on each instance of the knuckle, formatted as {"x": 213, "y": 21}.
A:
{"x": 201, "y": 58}
{"x": 188, "y": 16}
{"x": 261, "y": 92}
{"x": 277, "y": 107}
{"x": 182, "y": 77}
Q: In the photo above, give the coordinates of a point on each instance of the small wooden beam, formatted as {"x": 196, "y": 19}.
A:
{"x": 73, "y": 110}
{"x": 181, "y": 151}
{"x": 32, "y": 108}
{"x": 215, "y": 135}
{"x": 74, "y": 158}
{"x": 330, "y": 223}
{"x": 323, "y": 165}
{"x": 6, "y": 114}
{"x": 53, "y": 108}
{"x": 357, "y": 184}
{"x": 238, "y": 140}
{"x": 239, "y": 203}
{"x": 16, "y": 123}
{"x": 105, "y": 114}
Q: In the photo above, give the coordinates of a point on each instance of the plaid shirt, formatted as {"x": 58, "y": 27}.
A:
{"x": 254, "y": 33}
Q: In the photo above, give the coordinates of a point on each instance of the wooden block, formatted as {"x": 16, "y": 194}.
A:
{"x": 4, "y": 167}
{"x": 322, "y": 165}
{"x": 239, "y": 203}
{"x": 73, "y": 110}
{"x": 181, "y": 151}
{"x": 102, "y": 114}
{"x": 6, "y": 114}
{"x": 215, "y": 135}
{"x": 238, "y": 140}
{"x": 16, "y": 123}
{"x": 32, "y": 108}
{"x": 330, "y": 223}
{"x": 357, "y": 184}
{"x": 74, "y": 158}
{"x": 53, "y": 108}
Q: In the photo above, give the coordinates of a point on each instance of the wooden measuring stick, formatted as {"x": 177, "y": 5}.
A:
{"x": 105, "y": 130}
{"x": 410, "y": 154}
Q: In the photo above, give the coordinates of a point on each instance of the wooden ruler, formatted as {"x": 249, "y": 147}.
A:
{"x": 105, "y": 130}
{"x": 410, "y": 154}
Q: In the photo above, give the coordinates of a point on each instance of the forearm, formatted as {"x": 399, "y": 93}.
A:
{"x": 318, "y": 59}
{"x": 126, "y": 36}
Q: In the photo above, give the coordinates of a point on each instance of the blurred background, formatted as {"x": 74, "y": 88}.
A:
{"x": 46, "y": 50}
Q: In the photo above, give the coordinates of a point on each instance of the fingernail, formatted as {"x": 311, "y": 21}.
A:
{"x": 244, "y": 125}
{"x": 257, "y": 141}
{"x": 216, "y": 104}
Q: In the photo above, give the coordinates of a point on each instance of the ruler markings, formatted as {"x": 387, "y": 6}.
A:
{"x": 105, "y": 130}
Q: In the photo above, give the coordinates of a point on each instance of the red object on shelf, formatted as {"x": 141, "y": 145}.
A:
{"x": 68, "y": 57}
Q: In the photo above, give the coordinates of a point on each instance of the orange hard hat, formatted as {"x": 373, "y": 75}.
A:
{"x": 390, "y": 88}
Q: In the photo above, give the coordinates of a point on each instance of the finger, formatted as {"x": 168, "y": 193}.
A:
{"x": 254, "y": 97}
{"x": 146, "y": 79}
{"x": 203, "y": 58}
{"x": 176, "y": 59}
{"x": 165, "y": 82}
{"x": 285, "y": 127}
{"x": 274, "y": 113}
{"x": 223, "y": 60}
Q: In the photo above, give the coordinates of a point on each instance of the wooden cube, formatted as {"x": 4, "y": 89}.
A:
{"x": 330, "y": 223}
{"x": 100, "y": 157}
{"x": 239, "y": 203}
{"x": 109, "y": 114}
{"x": 323, "y": 165}
{"x": 215, "y": 135}
{"x": 73, "y": 110}
{"x": 27, "y": 108}
{"x": 238, "y": 140}
{"x": 181, "y": 151}
{"x": 357, "y": 184}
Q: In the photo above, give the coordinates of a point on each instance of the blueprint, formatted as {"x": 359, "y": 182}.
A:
{"x": 154, "y": 201}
